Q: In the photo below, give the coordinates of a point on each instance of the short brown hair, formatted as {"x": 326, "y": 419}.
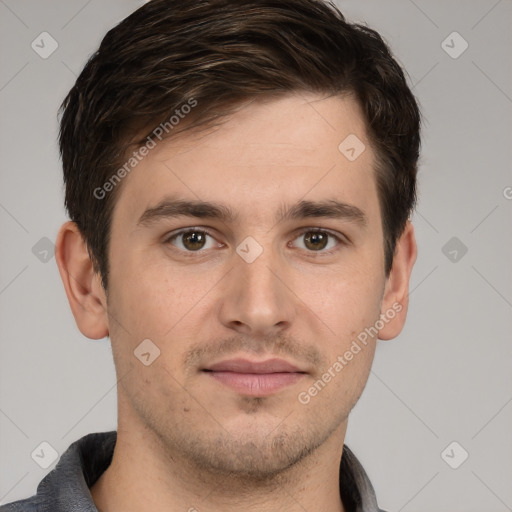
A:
{"x": 218, "y": 53}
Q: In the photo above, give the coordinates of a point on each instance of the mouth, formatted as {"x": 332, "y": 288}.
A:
{"x": 255, "y": 378}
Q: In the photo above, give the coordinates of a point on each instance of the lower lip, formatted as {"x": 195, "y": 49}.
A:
{"x": 256, "y": 384}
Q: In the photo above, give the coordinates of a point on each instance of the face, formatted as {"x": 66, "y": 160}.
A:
{"x": 253, "y": 299}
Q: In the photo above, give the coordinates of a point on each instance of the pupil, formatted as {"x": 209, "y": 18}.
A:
{"x": 316, "y": 241}
{"x": 193, "y": 240}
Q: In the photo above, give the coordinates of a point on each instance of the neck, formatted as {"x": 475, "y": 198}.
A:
{"x": 144, "y": 475}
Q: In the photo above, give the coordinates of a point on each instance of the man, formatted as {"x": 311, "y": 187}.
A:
{"x": 239, "y": 178}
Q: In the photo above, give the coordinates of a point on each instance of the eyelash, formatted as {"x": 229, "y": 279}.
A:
{"x": 340, "y": 239}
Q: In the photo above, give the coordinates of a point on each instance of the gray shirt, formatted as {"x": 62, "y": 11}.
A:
{"x": 66, "y": 487}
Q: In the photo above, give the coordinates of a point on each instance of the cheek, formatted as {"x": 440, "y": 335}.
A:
{"x": 348, "y": 310}
{"x": 346, "y": 300}
{"x": 348, "y": 317}
{"x": 150, "y": 298}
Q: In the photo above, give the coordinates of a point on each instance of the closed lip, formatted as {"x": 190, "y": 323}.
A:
{"x": 254, "y": 367}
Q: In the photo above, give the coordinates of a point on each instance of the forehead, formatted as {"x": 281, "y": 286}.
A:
{"x": 294, "y": 126}
{"x": 274, "y": 151}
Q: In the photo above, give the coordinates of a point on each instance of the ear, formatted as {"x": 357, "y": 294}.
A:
{"x": 85, "y": 292}
{"x": 395, "y": 300}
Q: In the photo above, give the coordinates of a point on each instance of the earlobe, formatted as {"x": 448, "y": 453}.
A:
{"x": 395, "y": 301}
{"x": 83, "y": 287}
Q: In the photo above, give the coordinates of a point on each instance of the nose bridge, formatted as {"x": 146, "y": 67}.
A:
{"x": 257, "y": 300}
{"x": 259, "y": 277}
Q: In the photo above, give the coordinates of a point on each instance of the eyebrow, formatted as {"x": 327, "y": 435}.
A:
{"x": 331, "y": 208}
{"x": 171, "y": 208}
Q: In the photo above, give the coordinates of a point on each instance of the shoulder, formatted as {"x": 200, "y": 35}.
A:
{"x": 67, "y": 486}
{"x": 26, "y": 505}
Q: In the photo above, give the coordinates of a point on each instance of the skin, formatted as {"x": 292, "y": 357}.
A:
{"x": 185, "y": 440}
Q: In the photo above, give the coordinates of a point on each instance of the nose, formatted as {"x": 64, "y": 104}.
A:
{"x": 257, "y": 300}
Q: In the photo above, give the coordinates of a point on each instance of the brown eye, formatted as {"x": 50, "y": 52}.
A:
{"x": 193, "y": 240}
{"x": 316, "y": 240}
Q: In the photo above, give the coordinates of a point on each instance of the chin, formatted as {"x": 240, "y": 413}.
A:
{"x": 252, "y": 453}
{"x": 257, "y": 458}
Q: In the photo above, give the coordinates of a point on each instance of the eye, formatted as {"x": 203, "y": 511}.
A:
{"x": 317, "y": 240}
{"x": 192, "y": 240}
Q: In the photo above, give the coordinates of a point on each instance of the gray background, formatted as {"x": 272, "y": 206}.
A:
{"x": 446, "y": 378}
